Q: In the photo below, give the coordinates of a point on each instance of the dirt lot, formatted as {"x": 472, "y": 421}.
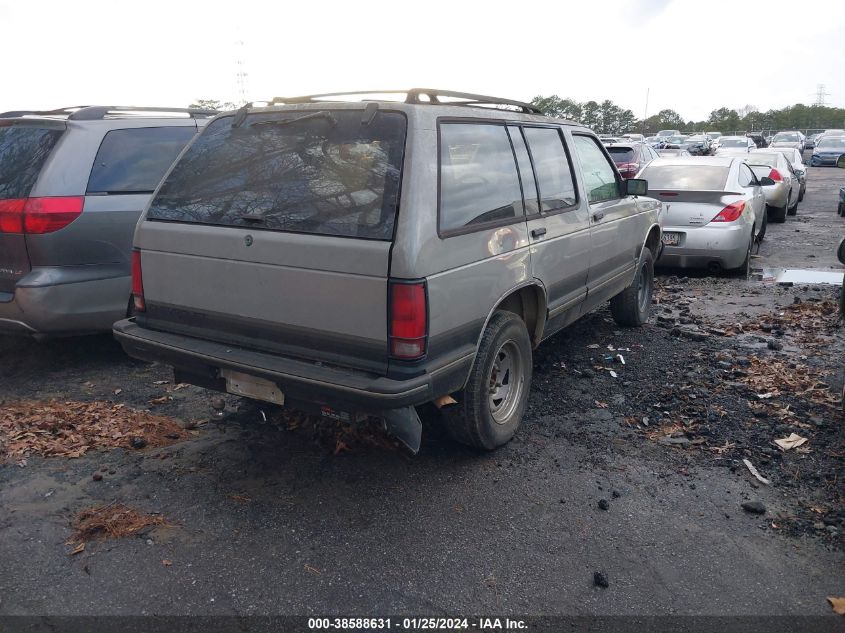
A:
{"x": 638, "y": 476}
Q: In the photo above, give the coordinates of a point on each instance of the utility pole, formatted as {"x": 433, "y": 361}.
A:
{"x": 645, "y": 112}
{"x": 241, "y": 74}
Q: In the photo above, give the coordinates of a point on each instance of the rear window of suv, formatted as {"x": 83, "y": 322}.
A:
{"x": 135, "y": 159}
{"x": 23, "y": 151}
{"x": 324, "y": 172}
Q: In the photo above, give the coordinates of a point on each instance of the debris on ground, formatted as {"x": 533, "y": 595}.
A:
{"x": 70, "y": 429}
{"x": 600, "y": 580}
{"x": 113, "y": 520}
{"x": 754, "y": 472}
{"x": 754, "y": 507}
{"x": 336, "y": 436}
{"x": 838, "y": 604}
{"x": 793, "y": 441}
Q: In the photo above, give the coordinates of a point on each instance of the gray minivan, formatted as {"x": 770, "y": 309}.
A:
{"x": 73, "y": 183}
{"x": 355, "y": 258}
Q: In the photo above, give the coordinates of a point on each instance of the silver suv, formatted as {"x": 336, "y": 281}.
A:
{"x": 360, "y": 258}
{"x": 73, "y": 183}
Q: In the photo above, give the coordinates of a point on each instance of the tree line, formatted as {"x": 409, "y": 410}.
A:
{"x": 609, "y": 118}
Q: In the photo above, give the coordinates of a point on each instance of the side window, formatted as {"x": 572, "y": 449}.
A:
{"x": 746, "y": 177}
{"x": 526, "y": 171}
{"x": 134, "y": 160}
{"x": 599, "y": 174}
{"x": 478, "y": 179}
{"x": 554, "y": 172}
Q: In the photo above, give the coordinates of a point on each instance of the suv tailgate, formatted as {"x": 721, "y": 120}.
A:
{"x": 275, "y": 235}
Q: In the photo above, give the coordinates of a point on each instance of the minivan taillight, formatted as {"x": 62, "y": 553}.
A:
{"x": 137, "y": 282}
{"x": 36, "y": 216}
{"x": 775, "y": 175}
{"x": 408, "y": 319}
{"x": 730, "y": 213}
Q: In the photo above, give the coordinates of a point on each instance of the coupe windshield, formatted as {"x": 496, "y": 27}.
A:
{"x": 733, "y": 142}
{"x": 786, "y": 138}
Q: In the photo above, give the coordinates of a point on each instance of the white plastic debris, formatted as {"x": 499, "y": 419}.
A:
{"x": 754, "y": 472}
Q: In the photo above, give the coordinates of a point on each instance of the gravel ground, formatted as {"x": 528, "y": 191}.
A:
{"x": 638, "y": 476}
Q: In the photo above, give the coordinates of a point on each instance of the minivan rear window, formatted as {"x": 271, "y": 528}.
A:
{"x": 135, "y": 159}
{"x": 23, "y": 151}
{"x": 328, "y": 172}
{"x": 690, "y": 177}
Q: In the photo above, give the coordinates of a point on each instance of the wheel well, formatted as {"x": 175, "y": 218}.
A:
{"x": 529, "y": 303}
{"x": 653, "y": 240}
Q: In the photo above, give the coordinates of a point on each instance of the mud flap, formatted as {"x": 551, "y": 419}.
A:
{"x": 405, "y": 425}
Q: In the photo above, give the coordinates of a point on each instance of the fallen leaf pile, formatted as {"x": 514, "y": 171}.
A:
{"x": 113, "y": 520}
{"x": 335, "y": 435}
{"x": 771, "y": 377}
{"x": 809, "y": 321}
{"x": 69, "y": 429}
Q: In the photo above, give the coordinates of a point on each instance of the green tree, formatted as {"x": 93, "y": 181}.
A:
{"x": 213, "y": 104}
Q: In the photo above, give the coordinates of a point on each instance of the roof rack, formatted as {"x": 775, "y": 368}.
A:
{"x": 414, "y": 96}
{"x": 94, "y": 113}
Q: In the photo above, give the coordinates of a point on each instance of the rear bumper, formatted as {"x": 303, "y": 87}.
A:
{"x": 300, "y": 381}
{"x": 703, "y": 246}
{"x": 65, "y": 300}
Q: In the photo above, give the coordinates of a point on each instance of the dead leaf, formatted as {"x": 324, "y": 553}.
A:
{"x": 838, "y": 604}
{"x": 161, "y": 382}
{"x": 118, "y": 391}
{"x": 442, "y": 401}
{"x": 78, "y": 549}
{"x": 600, "y": 404}
{"x": 166, "y": 562}
{"x": 317, "y": 572}
{"x": 793, "y": 441}
{"x": 240, "y": 498}
{"x": 161, "y": 400}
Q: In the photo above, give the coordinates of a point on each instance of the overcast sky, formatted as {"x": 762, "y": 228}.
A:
{"x": 694, "y": 55}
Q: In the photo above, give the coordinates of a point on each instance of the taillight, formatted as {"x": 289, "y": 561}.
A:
{"x": 408, "y": 320}
{"x": 137, "y": 282}
{"x": 730, "y": 213}
{"x": 35, "y": 216}
{"x": 629, "y": 170}
{"x": 775, "y": 175}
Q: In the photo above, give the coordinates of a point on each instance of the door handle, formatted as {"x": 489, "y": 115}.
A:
{"x": 597, "y": 216}
{"x": 538, "y": 232}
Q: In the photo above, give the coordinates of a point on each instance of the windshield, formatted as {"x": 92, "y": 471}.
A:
{"x": 786, "y": 138}
{"x": 714, "y": 134}
{"x": 837, "y": 142}
{"x": 733, "y": 142}
{"x": 690, "y": 177}
{"x": 23, "y": 151}
{"x": 328, "y": 173}
{"x": 676, "y": 140}
{"x": 621, "y": 154}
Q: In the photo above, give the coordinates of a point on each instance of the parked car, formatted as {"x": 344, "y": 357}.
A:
{"x": 780, "y": 184}
{"x": 669, "y": 133}
{"x": 637, "y": 138}
{"x": 810, "y": 141}
{"x": 714, "y": 209}
{"x": 675, "y": 142}
{"x": 73, "y": 183}
{"x": 788, "y": 139}
{"x": 697, "y": 145}
{"x": 714, "y": 140}
{"x": 827, "y": 150}
{"x": 735, "y": 145}
{"x": 607, "y": 140}
{"x": 666, "y": 153}
{"x": 656, "y": 142}
{"x": 631, "y": 157}
{"x": 796, "y": 159}
{"x": 759, "y": 139}
{"x": 278, "y": 260}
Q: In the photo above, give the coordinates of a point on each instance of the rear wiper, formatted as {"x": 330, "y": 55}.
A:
{"x": 322, "y": 114}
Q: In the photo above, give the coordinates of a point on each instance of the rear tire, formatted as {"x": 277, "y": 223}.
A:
{"x": 801, "y": 194}
{"x": 494, "y": 400}
{"x": 631, "y": 306}
{"x": 762, "y": 233}
{"x": 794, "y": 208}
{"x": 744, "y": 269}
{"x": 777, "y": 215}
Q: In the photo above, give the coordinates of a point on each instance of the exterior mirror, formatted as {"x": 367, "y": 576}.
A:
{"x": 840, "y": 162}
{"x": 766, "y": 181}
{"x": 635, "y": 187}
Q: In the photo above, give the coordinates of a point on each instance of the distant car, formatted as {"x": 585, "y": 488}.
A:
{"x": 714, "y": 210}
{"x": 631, "y": 157}
{"x": 666, "y": 153}
{"x": 780, "y": 184}
{"x": 796, "y": 159}
{"x": 697, "y": 145}
{"x": 827, "y": 150}
{"x": 714, "y": 140}
{"x": 669, "y": 133}
{"x": 810, "y": 141}
{"x": 675, "y": 142}
{"x": 638, "y": 138}
{"x": 73, "y": 183}
{"x": 788, "y": 139}
{"x": 656, "y": 142}
{"x": 607, "y": 140}
{"x": 734, "y": 145}
{"x": 759, "y": 139}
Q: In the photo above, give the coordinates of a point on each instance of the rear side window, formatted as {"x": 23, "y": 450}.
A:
{"x": 23, "y": 151}
{"x": 478, "y": 179}
{"x": 324, "y": 172}
{"x": 551, "y": 164}
{"x": 689, "y": 177}
{"x": 134, "y": 160}
{"x": 599, "y": 176}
